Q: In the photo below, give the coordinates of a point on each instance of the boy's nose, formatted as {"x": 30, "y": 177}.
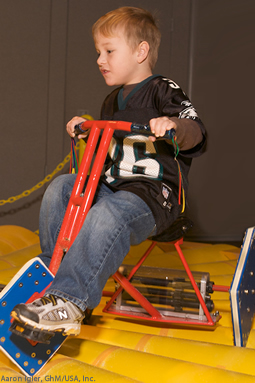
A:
{"x": 100, "y": 60}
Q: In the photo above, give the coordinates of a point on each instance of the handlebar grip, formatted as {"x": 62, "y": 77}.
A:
{"x": 78, "y": 129}
{"x": 146, "y": 130}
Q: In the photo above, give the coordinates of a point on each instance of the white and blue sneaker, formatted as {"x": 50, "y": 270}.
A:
{"x": 48, "y": 314}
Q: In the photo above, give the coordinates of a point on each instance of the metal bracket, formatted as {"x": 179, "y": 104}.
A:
{"x": 242, "y": 290}
{"x": 30, "y": 357}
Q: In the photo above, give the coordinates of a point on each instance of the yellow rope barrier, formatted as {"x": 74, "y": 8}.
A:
{"x": 26, "y": 193}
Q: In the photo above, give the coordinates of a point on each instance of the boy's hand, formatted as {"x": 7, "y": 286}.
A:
{"x": 71, "y": 125}
{"x": 159, "y": 126}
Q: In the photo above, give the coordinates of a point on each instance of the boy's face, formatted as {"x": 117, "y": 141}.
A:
{"x": 117, "y": 62}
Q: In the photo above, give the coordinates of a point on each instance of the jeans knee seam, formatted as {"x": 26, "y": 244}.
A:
{"x": 109, "y": 251}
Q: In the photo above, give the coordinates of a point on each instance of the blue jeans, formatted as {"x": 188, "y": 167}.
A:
{"x": 114, "y": 222}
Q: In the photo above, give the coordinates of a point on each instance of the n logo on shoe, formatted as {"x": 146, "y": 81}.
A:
{"x": 62, "y": 314}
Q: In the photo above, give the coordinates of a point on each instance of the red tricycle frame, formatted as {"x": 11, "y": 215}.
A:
{"x": 78, "y": 207}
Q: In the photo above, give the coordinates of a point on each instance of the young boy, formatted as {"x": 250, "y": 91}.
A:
{"x": 139, "y": 194}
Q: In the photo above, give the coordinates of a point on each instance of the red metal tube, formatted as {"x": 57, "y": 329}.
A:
{"x": 193, "y": 282}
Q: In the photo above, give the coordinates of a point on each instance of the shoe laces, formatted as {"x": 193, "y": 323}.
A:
{"x": 49, "y": 298}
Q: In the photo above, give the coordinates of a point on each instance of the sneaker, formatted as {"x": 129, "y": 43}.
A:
{"x": 50, "y": 313}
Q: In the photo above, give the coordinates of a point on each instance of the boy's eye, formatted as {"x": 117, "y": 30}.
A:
{"x": 109, "y": 51}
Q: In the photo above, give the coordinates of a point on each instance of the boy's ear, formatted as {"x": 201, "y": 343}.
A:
{"x": 143, "y": 51}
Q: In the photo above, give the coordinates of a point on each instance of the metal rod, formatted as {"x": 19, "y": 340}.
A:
{"x": 192, "y": 280}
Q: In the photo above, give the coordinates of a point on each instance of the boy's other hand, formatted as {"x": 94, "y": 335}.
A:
{"x": 71, "y": 125}
{"x": 159, "y": 126}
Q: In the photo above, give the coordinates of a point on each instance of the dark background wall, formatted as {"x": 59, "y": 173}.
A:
{"x": 48, "y": 74}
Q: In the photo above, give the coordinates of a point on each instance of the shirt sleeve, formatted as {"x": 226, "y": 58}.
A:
{"x": 190, "y": 131}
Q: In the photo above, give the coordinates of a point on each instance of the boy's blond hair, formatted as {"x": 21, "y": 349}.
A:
{"x": 138, "y": 24}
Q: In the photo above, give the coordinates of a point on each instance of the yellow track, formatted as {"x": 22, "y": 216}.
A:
{"x": 117, "y": 349}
